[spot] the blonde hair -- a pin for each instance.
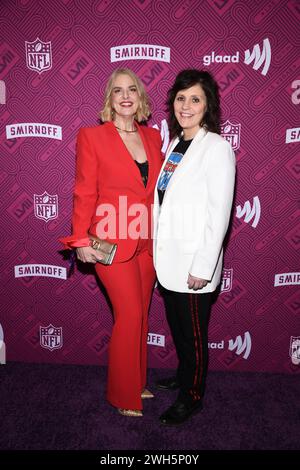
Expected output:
(143, 111)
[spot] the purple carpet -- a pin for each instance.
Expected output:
(63, 407)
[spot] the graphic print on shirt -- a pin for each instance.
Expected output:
(171, 165)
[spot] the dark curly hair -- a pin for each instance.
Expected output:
(186, 79)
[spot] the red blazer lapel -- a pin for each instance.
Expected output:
(148, 149)
(119, 148)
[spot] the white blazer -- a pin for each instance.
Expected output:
(190, 225)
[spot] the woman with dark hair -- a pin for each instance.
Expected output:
(192, 207)
(117, 167)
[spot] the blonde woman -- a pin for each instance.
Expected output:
(117, 166)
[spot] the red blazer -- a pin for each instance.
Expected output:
(105, 170)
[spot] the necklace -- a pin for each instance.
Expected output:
(124, 130)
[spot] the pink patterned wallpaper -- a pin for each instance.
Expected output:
(55, 58)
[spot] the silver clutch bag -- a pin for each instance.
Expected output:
(107, 249)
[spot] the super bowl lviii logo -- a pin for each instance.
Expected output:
(51, 337)
(46, 206)
(38, 55)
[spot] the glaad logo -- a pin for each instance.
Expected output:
(232, 133)
(287, 279)
(240, 346)
(51, 337)
(46, 206)
(210, 59)
(2, 92)
(156, 340)
(258, 57)
(33, 129)
(140, 51)
(38, 55)
(40, 270)
(295, 349)
(2, 347)
(250, 213)
(296, 93)
(214, 345)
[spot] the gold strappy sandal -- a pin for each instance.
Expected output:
(135, 413)
(147, 394)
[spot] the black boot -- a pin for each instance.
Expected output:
(170, 383)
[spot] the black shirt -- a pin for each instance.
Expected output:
(173, 161)
(144, 169)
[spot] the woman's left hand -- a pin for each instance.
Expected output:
(196, 283)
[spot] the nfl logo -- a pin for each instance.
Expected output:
(51, 337)
(226, 283)
(38, 55)
(232, 133)
(46, 206)
(295, 350)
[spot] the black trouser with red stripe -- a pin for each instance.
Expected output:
(188, 317)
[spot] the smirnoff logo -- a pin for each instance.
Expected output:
(33, 129)
(140, 52)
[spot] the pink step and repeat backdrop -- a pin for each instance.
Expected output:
(55, 58)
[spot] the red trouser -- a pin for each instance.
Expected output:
(129, 286)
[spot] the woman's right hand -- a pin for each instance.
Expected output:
(87, 254)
